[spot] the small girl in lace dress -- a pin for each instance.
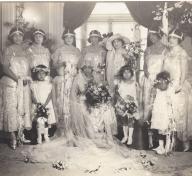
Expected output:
(162, 114)
(42, 95)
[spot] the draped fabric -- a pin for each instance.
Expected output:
(76, 13)
(141, 11)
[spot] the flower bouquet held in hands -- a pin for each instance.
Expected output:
(41, 115)
(126, 107)
(96, 94)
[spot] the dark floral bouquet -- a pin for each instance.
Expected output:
(41, 111)
(96, 94)
(128, 105)
(134, 52)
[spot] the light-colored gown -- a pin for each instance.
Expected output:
(154, 64)
(39, 56)
(114, 62)
(80, 117)
(62, 84)
(94, 56)
(181, 101)
(15, 99)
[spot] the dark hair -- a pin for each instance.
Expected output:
(164, 75)
(94, 32)
(33, 34)
(122, 70)
(123, 43)
(14, 29)
(34, 72)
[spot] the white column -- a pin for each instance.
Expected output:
(8, 16)
(56, 21)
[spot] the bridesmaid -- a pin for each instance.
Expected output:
(176, 63)
(39, 54)
(15, 92)
(116, 57)
(94, 55)
(65, 60)
(153, 63)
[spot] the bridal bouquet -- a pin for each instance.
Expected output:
(134, 52)
(41, 111)
(96, 94)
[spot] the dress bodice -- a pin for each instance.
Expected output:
(154, 63)
(126, 89)
(41, 90)
(93, 56)
(172, 62)
(68, 54)
(16, 58)
(39, 56)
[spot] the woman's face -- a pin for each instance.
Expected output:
(94, 40)
(38, 38)
(127, 75)
(117, 43)
(17, 39)
(173, 41)
(41, 75)
(69, 40)
(88, 72)
(153, 38)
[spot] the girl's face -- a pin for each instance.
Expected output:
(17, 39)
(163, 85)
(173, 41)
(41, 75)
(153, 38)
(69, 40)
(127, 75)
(117, 43)
(38, 38)
(94, 40)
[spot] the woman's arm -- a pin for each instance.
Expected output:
(145, 67)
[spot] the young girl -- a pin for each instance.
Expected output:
(162, 113)
(126, 92)
(42, 93)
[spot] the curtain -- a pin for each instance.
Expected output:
(76, 13)
(141, 11)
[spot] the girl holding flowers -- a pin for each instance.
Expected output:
(126, 102)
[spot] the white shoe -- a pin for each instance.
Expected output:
(160, 150)
(124, 140)
(130, 141)
(186, 147)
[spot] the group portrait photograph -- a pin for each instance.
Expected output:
(96, 88)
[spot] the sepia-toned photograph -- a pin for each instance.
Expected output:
(96, 88)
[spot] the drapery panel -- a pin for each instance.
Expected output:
(76, 13)
(141, 11)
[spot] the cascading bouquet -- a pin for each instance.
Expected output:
(134, 52)
(96, 94)
(127, 106)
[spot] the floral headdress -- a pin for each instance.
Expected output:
(40, 68)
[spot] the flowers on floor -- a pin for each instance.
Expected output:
(60, 165)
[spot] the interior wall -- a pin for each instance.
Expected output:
(45, 15)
